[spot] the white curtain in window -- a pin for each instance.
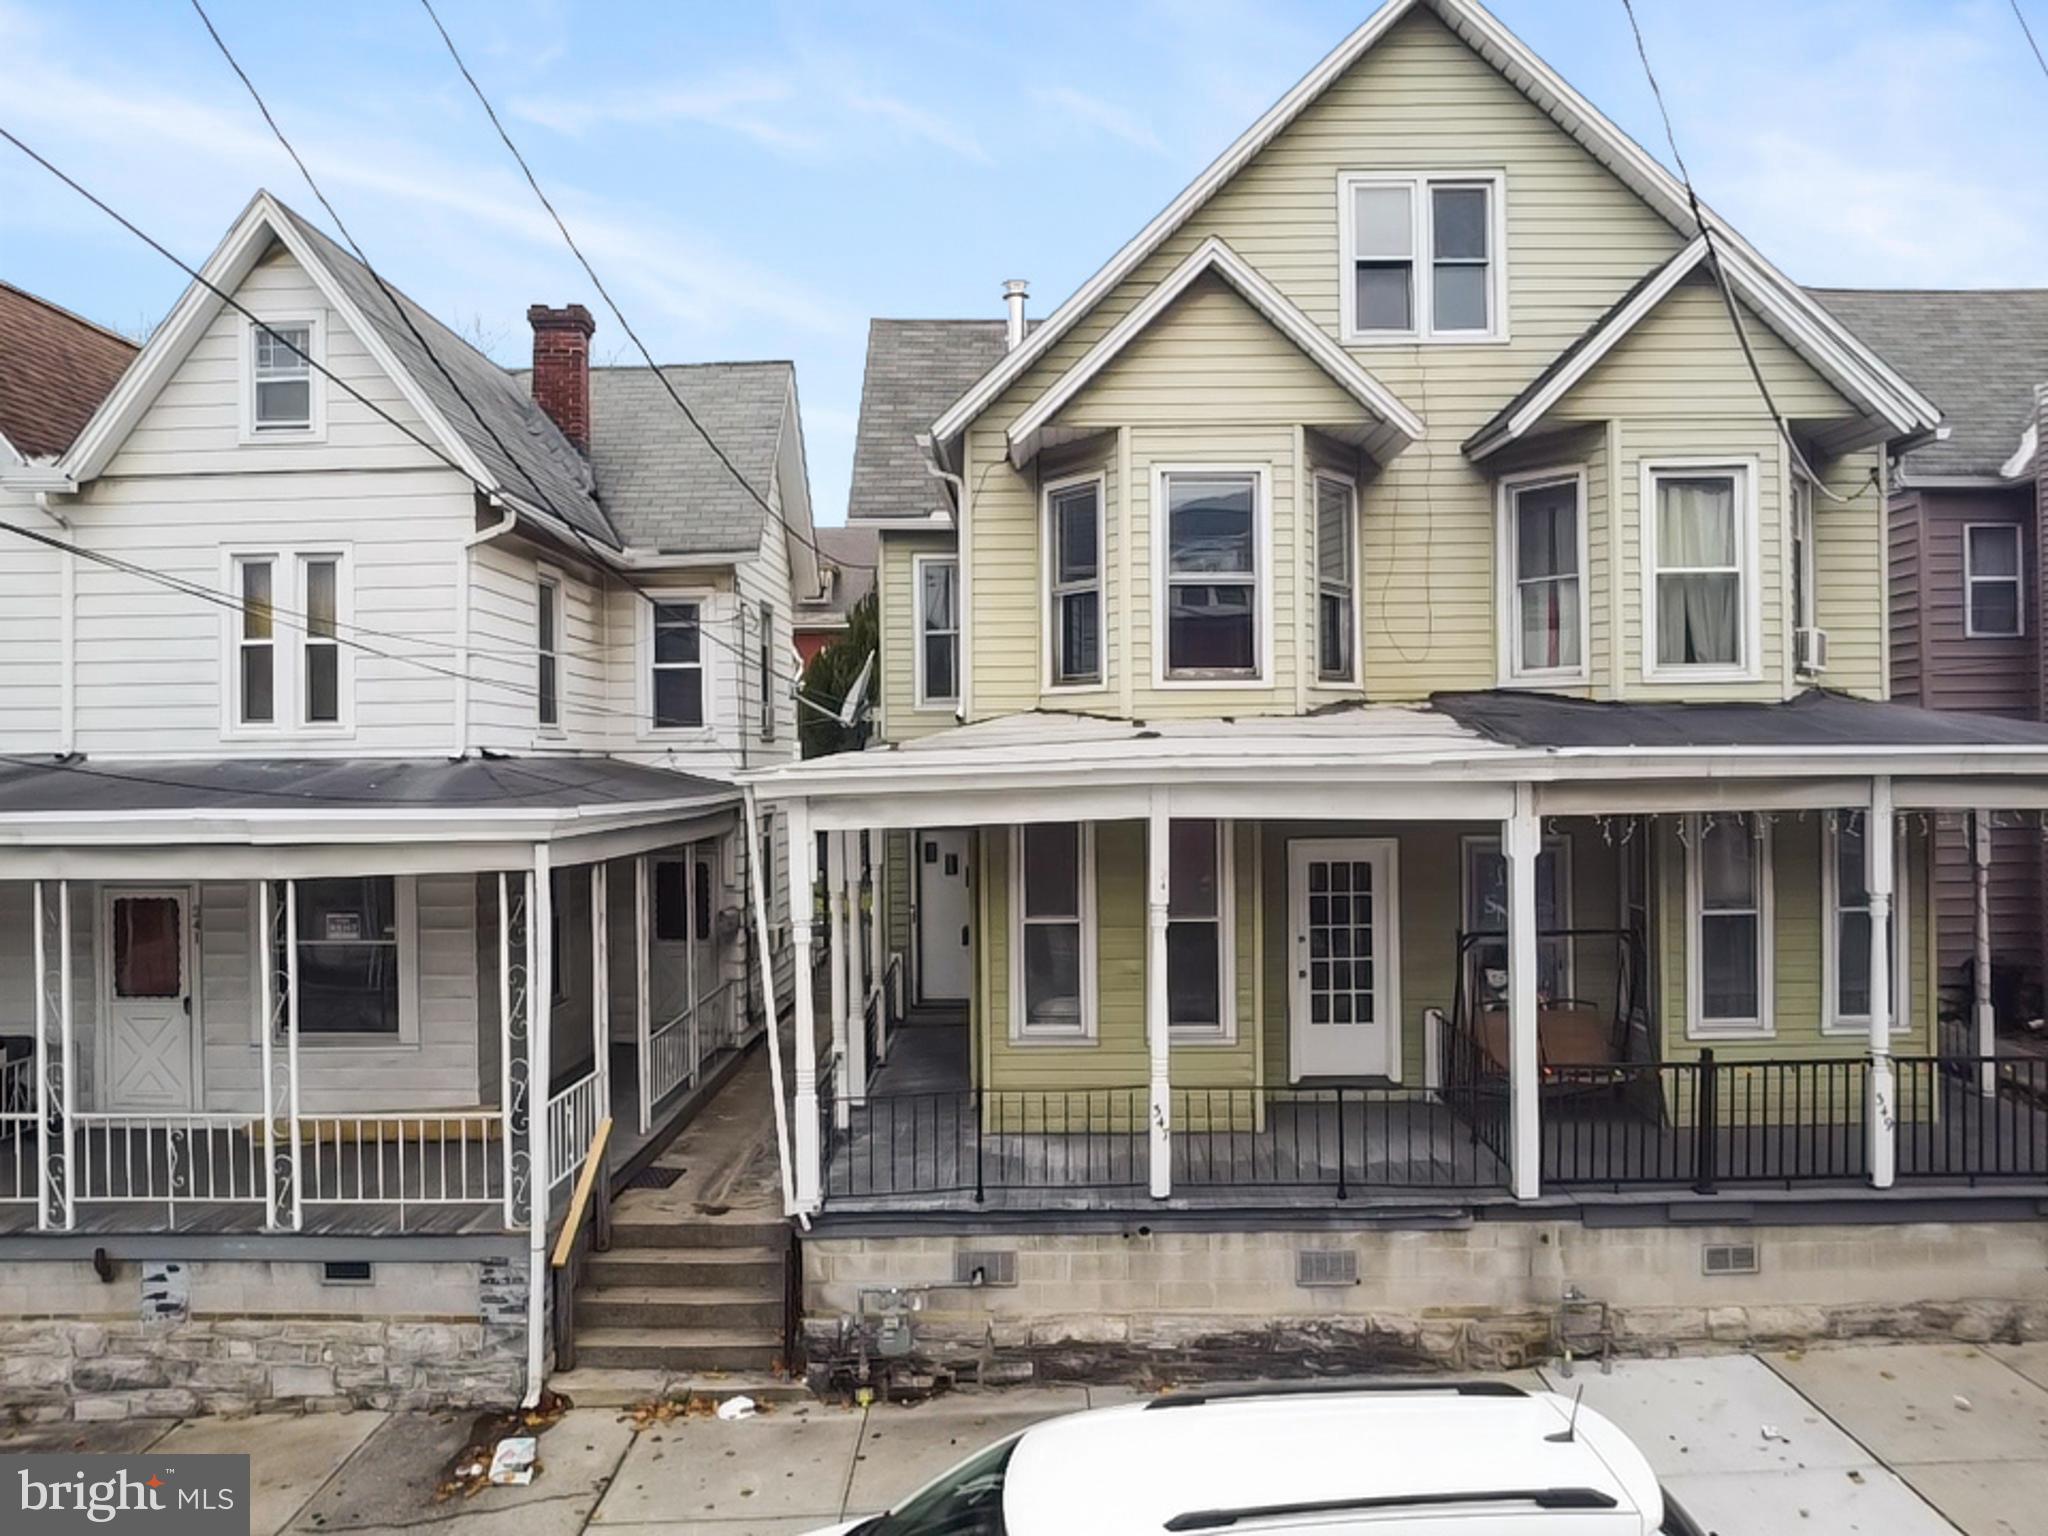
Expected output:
(1699, 582)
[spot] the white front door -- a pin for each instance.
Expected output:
(945, 941)
(1343, 909)
(148, 1032)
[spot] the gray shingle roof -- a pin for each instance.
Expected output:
(662, 487)
(1976, 353)
(915, 370)
(854, 551)
(534, 452)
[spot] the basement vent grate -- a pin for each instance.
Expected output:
(995, 1266)
(346, 1272)
(1325, 1266)
(654, 1176)
(1729, 1258)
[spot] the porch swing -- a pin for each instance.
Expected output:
(1581, 1041)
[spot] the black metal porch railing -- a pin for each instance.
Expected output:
(1971, 1118)
(1343, 1139)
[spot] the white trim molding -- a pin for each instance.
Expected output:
(314, 430)
(1262, 577)
(1354, 547)
(1422, 257)
(2018, 579)
(290, 642)
(923, 702)
(1050, 592)
(1086, 1030)
(1748, 667)
(644, 728)
(1857, 1025)
(1507, 585)
(1697, 1025)
(1224, 1031)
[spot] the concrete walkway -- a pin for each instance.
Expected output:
(1875, 1440)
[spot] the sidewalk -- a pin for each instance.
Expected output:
(1906, 1440)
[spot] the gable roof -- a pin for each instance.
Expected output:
(55, 369)
(1601, 138)
(852, 553)
(1979, 352)
(915, 369)
(657, 480)
(534, 452)
(1395, 425)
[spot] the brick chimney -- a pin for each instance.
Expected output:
(561, 367)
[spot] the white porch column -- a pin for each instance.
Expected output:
(1982, 1015)
(805, 1142)
(601, 984)
(856, 977)
(757, 898)
(56, 1174)
(43, 1192)
(291, 1048)
(506, 1087)
(643, 991)
(540, 985)
(1521, 841)
(1877, 863)
(694, 1029)
(1158, 1031)
(839, 960)
(266, 895)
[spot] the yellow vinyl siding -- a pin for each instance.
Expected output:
(897, 583)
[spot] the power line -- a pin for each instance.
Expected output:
(612, 304)
(2021, 17)
(1720, 275)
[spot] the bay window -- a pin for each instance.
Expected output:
(1336, 579)
(1700, 597)
(1198, 950)
(1422, 257)
(1730, 948)
(676, 665)
(937, 581)
(1074, 552)
(1212, 568)
(1543, 541)
(1991, 581)
(1053, 932)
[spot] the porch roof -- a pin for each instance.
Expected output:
(386, 812)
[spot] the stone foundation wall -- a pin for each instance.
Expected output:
(235, 1336)
(1170, 1306)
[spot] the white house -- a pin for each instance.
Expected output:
(367, 832)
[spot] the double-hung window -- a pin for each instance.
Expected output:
(1730, 901)
(1198, 953)
(1701, 528)
(547, 646)
(1213, 576)
(256, 642)
(938, 630)
(320, 586)
(1074, 541)
(1486, 912)
(676, 665)
(1543, 557)
(767, 672)
(1991, 581)
(1053, 933)
(287, 667)
(1848, 936)
(350, 963)
(1422, 256)
(283, 393)
(1336, 579)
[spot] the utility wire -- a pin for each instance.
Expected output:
(1720, 275)
(2021, 17)
(163, 781)
(612, 304)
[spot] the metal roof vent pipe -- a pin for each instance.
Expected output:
(1014, 293)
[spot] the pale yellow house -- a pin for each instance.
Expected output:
(1373, 706)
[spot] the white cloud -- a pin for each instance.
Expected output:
(918, 123)
(1117, 122)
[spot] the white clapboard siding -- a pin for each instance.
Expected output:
(31, 629)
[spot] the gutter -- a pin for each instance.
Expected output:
(465, 586)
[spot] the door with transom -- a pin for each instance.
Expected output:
(148, 1034)
(1343, 913)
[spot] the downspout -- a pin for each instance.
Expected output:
(67, 633)
(938, 471)
(464, 570)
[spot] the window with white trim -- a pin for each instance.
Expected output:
(1543, 547)
(1422, 256)
(349, 960)
(320, 645)
(1212, 571)
(1700, 529)
(676, 665)
(256, 641)
(1336, 579)
(1992, 584)
(547, 659)
(1074, 544)
(1053, 931)
(287, 667)
(1729, 890)
(1198, 951)
(1847, 878)
(938, 631)
(1803, 606)
(281, 377)
(767, 672)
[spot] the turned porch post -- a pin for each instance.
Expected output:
(601, 984)
(56, 1165)
(643, 992)
(838, 959)
(1983, 1016)
(802, 903)
(1882, 1115)
(1158, 1029)
(1521, 841)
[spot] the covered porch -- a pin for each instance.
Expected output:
(1421, 957)
(349, 998)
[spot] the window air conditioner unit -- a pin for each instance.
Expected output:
(1810, 650)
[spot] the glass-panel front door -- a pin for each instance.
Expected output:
(1345, 1006)
(149, 1008)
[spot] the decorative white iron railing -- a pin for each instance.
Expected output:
(184, 1157)
(427, 1157)
(20, 1146)
(573, 1115)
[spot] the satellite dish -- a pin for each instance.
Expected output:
(857, 694)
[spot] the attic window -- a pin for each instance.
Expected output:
(1423, 257)
(281, 376)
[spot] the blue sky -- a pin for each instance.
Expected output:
(757, 180)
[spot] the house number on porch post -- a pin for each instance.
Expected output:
(1877, 855)
(1158, 1032)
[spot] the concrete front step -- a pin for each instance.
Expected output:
(757, 1269)
(598, 1386)
(647, 1306)
(679, 1349)
(652, 1230)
